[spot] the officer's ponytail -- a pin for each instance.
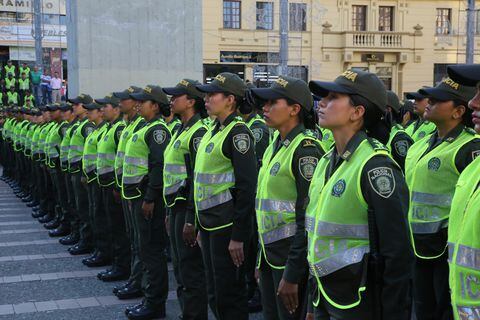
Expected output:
(467, 118)
(373, 122)
(199, 106)
(164, 109)
(308, 118)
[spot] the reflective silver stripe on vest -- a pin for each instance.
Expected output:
(309, 224)
(77, 148)
(429, 227)
(89, 157)
(120, 154)
(90, 168)
(339, 261)
(136, 161)
(75, 159)
(104, 170)
(176, 168)
(352, 231)
(283, 232)
(174, 188)
(451, 248)
(270, 205)
(213, 178)
(132, 180)
(432, 199)
(106, 156)
(214, 201)
(468, 257)
(468, 313)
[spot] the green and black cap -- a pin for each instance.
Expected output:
(449, 90)
(393, 101)
(93, 106)
(416, 95)
(82, 98)
(125, 94)
(362, 83)
(287, 88)
(225, 82)
(185, 86)
(151, 92)
(53, 106)
(465, 74)
(65, 106)
(109, 99)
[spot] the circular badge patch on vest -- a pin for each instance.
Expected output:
(257, 134)
(326, 136)
(434, 164)
(196, 142)
(209, 147)
(339, 188)
(89, 130)
(422, 134)
(105, 138)
(275, 169)
(135, 137)
(177, 144)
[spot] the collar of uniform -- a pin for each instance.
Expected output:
(227, 121)
(452, 134)
(292, 134)
(135, 117)
(155, 118)
(119, 118)
(173, 120)
(250, 117)
(353, 144)
(191, 122)
(101, 124)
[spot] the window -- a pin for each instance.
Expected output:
(385, 74)
(385, 19)
(359, 18)
(477, 23)
(265, 15)
(8, 16)
(443, 22)
(231, 14)
(298, 16)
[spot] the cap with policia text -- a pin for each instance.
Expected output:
(225, 82)
(82, 98)
(362, 83)
(109, 99)
(151, 92)
(125, 94)
(93, 106)
(185, 86)
(287, 88)
(449, 90)
(393, 101)
(465, 74)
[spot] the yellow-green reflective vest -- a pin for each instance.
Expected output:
(23, 135)
(24, 70)
(336, 220)
(12, 97)
(122, 144)
(175, 169)
(77, 142)
(213, 175)
(89, 163)
(53, 145)
(65, 145)
(174, 123)
(8, 70)
(43, 139)
(17, 135)
(393, 132)
(28, 141)
(10, 83)
(23, 84)
(135, 166)
(423, 130)
(276, 197)
(35, 140)
(106, 154)
(464, 244)
(431, 179)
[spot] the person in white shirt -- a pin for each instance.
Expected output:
(46, 88)
(56, 85)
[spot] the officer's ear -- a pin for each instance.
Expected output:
(296, 108)
(459, 111)
(357, 113)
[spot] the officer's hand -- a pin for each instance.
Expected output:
(83, 180)
(257, 275)
(309, 316)
(189, 235)
(147, 210)
(116, 196)
(199, 240)
(288, 292)
(236, 252)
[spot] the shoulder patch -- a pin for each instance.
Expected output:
(382, 181)
(241, 142)
(306, 166)
(401, 147)
(422, 134)
(159, 136)
(475, 154)
(196, 142)
(308, 143)
(89, 130)
(377, 145)
(275, 168)
(257, 134)
(119, 134)
(64, 130)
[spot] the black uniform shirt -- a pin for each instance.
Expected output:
(261, 134)
(400, 144)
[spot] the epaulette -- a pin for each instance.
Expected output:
(377, 145)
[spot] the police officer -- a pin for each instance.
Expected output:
(142, 185)
(289, 162)
(432, 168)
(463, 240)
(420, 127)
(75, 154)
(98, 220)
(358, 246)
(134, 122)
(115, 222)
(186, 102)
(225, 176)
(173, 123)
(399, 141)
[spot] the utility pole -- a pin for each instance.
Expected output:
(37, 31)
(470, 31)
(283, 68)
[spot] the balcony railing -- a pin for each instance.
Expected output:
(375, 39)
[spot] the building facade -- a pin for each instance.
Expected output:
(408, 43)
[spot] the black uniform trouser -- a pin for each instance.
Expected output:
(136, 278)
(72, 215)
(251, 260)
(431, 289)
(98, 219)
(152, 245)
(81, 204)
(188, 267)
(49, 193)
(273, 307)
(60, 194)
(116, 231)
(227, 292)
(41, 191)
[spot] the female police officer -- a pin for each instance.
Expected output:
(358, 246)
(432, 168)
(225, 177)
(283, 182)
(463, 236)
